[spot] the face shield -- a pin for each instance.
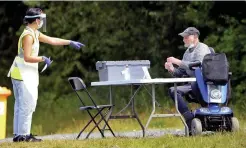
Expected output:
(42, 20)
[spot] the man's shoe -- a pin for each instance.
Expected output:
(188, 119)
(189, 126)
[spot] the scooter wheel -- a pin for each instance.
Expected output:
(234, 124)
(196, 127)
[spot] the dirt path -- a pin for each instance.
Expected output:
(136, 134)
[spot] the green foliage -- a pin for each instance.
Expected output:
(122, 30)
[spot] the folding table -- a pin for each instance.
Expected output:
(141, 83)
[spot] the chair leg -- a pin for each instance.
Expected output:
(106, 122)
(99, 112)
(83, 129)
(95, 126)
(92, 119)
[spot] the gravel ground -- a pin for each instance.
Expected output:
(134, 134)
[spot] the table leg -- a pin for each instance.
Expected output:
(176, 106)
(135, 113)
(110, 100)
(153, 106)
(150, 94)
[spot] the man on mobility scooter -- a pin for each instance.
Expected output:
(210, 116)
(195, 52)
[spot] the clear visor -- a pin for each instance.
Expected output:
(42, 18)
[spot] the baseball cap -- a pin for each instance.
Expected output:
(189, 31)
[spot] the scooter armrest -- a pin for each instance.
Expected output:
(194, 64)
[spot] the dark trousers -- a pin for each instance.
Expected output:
(181, 91)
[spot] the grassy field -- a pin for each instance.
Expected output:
(218, 140)
(63, 117)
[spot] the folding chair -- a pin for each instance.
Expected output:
(77, 85)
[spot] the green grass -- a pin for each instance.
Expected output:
(218, 140)
(124, 124)
(62, 116)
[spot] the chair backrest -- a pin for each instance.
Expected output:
(76, 83)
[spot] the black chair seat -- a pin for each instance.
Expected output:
(94, 107)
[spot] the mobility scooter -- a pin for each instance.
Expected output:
(213, 81)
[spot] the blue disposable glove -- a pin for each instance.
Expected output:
(76, 45)
(47, 61)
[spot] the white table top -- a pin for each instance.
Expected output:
(144, 81)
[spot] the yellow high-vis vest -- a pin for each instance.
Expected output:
(15, 70)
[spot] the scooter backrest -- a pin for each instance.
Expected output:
(215, 69)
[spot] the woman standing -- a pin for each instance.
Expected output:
(24, 72)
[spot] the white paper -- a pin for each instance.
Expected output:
(45, 67)
(146, 73)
